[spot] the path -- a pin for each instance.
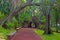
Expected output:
(26, 34)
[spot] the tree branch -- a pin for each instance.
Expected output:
(18, 9)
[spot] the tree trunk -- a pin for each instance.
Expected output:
(36, 25)
(29, 26)
(47, 29)
(56, 26)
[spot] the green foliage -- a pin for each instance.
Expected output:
(1, 15)
(43, 19)
(5, 32)
(5, 6)
(12, 24)
(15, 21)
(42, 27)
(24, 16)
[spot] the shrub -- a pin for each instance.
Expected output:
(12, 24)
(1, 15)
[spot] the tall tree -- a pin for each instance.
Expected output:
(47, 11)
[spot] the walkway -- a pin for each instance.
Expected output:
(26, 34)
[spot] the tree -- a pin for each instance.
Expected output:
(56, 14)
(47, 12)
(18, 9)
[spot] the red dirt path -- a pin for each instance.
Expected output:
(26, 34)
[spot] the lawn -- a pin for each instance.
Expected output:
(54, 36)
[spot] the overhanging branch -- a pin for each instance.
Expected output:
(18, 9)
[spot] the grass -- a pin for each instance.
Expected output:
(5, 32)
(54, 36)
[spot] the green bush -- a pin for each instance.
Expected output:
(1, 15)
(23, 17)
(42, 27)
(13, 23)
(10, 24)
(43, 19)
(5, 32)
